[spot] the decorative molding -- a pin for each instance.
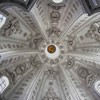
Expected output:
(50, 95)
(53, 32)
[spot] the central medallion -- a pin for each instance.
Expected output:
(51, 48)
(52, 52)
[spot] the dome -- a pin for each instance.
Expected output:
(49, 50)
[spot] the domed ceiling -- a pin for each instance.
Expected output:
(50, 50)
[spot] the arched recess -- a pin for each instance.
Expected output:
(4, 83)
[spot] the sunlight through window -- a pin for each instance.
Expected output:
(4, 83)
(2, 20)
(97, 86)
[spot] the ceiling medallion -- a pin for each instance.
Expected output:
(52, 52)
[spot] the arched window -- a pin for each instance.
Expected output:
(97, 86)
(4, 83)
(2, 20)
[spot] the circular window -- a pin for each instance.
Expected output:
(52, 51)
(51, 48)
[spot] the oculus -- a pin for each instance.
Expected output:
(51, 48)
(52, 52)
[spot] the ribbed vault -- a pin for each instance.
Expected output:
(50, 51)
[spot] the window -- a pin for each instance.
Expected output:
(57, 1)
(97, 86)
(4, 83)
(2, 20)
